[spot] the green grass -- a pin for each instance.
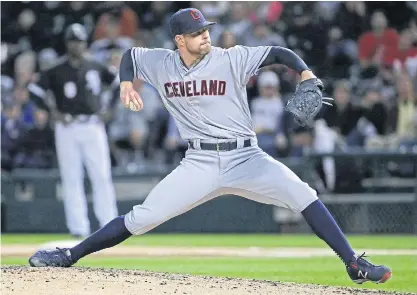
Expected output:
(233, 240)
(326, 271)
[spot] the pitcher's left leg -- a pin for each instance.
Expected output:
(266, 180)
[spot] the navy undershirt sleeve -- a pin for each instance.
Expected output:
(126, 67)
(286, 57)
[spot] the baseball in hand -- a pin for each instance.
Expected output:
(133, 107)
(131, 99)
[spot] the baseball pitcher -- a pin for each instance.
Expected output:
(204, 89)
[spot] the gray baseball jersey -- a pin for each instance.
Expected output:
(208, 100)
(209, 104)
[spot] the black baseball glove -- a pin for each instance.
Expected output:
(307, 101)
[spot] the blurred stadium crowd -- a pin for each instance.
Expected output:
(365, 52)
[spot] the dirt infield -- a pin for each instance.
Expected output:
(88, 281)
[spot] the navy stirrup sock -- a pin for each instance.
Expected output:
(110, 235)
(326, 228)
(316, 215)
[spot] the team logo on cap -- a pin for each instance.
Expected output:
(195, 14)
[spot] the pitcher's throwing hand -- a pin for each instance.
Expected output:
(130, 97)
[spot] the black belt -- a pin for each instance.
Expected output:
(221, 146)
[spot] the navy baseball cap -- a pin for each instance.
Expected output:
(187, 21)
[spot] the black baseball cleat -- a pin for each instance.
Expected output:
(360, 271)
(54, 258)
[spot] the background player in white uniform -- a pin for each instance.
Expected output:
(80, 135)
(204, 89)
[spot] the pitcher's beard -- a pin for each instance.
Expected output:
(205, 49)
(201, 51)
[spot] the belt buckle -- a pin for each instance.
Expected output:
(67, 118)
(218, 147)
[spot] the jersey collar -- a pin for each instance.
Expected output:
(183, 69)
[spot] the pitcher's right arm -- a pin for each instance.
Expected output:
(139, 63)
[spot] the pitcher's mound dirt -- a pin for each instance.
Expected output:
(24, 280)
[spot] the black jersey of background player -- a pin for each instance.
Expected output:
(76, 89)
(76, 81)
